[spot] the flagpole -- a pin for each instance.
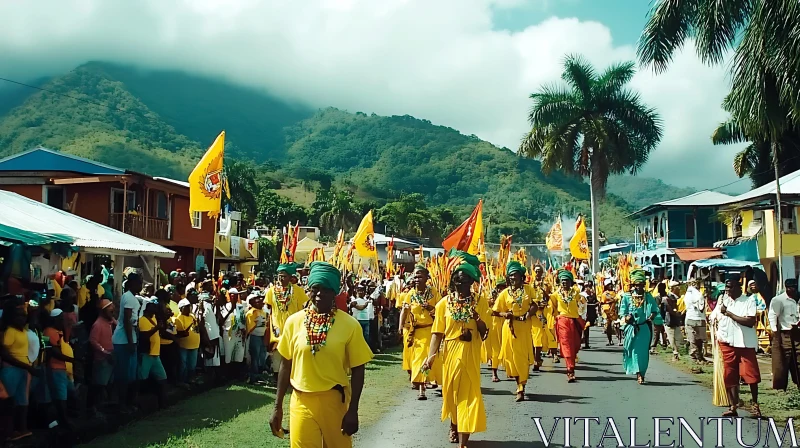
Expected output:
(214, 250)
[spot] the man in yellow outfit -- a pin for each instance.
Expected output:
(517, 305)
(319, 345)
(283, 300)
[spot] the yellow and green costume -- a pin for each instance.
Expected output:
(418, 338)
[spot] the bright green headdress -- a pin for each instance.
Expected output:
(638, 276)
(515, 266)
(420, 267)
(325, 275)
(288, 268)
(469, 265)
(564, 274)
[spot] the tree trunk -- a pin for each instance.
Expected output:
(595, 224)
(778, 214)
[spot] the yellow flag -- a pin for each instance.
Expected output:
(578, 245)
(476, 245)
(364, 241)
(206, 181)
(554, 238)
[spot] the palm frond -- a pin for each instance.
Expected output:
(669, 25)
(579, 74)
(716, 24)
(627, 108)
(745, 161)
(614, 78)
(553, 105)
(728, 133)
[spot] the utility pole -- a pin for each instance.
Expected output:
(778, 213)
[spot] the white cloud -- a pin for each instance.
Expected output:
(441, 60)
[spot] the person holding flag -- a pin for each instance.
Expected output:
(283, 300)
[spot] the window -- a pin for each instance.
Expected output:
(55, 197)
(197, 220)
(689, 227)
(118, 199)
(161, 205)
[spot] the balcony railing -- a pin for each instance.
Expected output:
(140, 226)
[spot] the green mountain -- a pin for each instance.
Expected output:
(160, 122)
(640, 192)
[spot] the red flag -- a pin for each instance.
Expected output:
(462, 237)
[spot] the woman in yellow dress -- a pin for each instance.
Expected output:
(418, 308)
(517, 305)
(543, 338)
(492, 344)
(460, 324)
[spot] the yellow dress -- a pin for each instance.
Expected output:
(490, 352)
(421, 325)
(517, 344)
(552, 306)
(406, 327)
(462, 401)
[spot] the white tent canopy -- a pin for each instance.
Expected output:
(21, 212)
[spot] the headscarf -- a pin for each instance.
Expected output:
(469, 265)
(564, 274)
(288, 268)
(638, 276)
(172, 275)
(325, 275)
(515, 266)
(420, 267)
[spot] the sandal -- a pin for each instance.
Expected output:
(756, 411)
(495, 379)
(453, 434)
(639, 378)
(571, 377)
(520, 396)
(731, 412)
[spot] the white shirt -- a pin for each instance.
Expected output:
(127, 302)
(782, 311)
(695, 304)
(730, 331)
(367, 313)
(210, 319)
(34, 346)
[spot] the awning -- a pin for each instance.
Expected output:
(754, 234)
(694, 254)
(10, 235)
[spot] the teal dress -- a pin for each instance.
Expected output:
(638, 334)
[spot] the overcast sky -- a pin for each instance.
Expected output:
(468, 64)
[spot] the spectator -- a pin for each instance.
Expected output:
(695, 322)
(256, 333)
(361, 307)
(16, 373)
(673, 318)
(170, 358)
(150, 365)
(102, 350)
(233, 333)
(67, 305)
(188, 335)
(59, 355)
(210, 332)
(124, 339)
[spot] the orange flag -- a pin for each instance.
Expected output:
(468, 235)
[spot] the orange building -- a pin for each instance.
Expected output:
(155, 209)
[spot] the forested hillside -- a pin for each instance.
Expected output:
(160, 122)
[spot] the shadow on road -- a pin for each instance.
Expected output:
(555, 398)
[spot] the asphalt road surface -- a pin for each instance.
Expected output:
(603, 391)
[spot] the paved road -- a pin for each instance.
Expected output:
(602, 391)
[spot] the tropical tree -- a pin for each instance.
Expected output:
(242, 182)
(276, 211)
(592, 127)
(337, 209)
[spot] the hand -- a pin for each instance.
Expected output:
(475, 315)
(428, 363)
(724, 310)
(350, 422)
(276, 422)
(628, 318)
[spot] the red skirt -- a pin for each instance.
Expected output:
(569, 333)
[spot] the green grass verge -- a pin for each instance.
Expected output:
(777, 404)
(238, 415)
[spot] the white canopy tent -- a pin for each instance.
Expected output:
(93, 238)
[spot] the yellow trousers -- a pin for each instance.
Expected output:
(315, 420)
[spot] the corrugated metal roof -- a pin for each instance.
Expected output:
(703, 198)
(790, 184)
(43, 159)
(173, 181)
(27, 214)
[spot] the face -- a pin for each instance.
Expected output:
(463, 283)
(589, 286)
(234, 298)
(539, 272)
(566, 283)
(420, 279)
(361, 291)
(322, 298)
(638, 288)
(754, 288)
(149, 289)
(186, 310)
(257, 303)
(283, 279)
(734, 288)
(108, 312)
(515, 279)
(134, 286)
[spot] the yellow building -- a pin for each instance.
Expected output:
(236, 248)
(753, 227)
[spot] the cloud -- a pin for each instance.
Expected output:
(440, 60)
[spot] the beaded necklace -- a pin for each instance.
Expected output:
(284, 296)
(420, 299)
(566, 296)
(638, 300)
(517, 295)
(317, 327)
(461, 308)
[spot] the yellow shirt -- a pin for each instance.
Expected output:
(450, 328)
(422, 317)
(280, 313)
(183, 323)
(252, 320)
(155, 339)
(83, 294)
(567, 309)
(507, 301)
(66, 350)
(344, 349)
(16, 342)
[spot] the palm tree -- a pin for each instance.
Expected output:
(340, 210)
(593, 127)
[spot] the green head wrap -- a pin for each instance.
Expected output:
(501, 282)
(515, 266)
(638, 276)
(173, 274)
(564, 274)
(289, 268)
(325, 275)
(420, 267)
(470, 264)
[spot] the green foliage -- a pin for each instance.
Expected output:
(276, 211)
(639, 192)
(268, 255)
(336, 209)
(410, 215)
(242, 181)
